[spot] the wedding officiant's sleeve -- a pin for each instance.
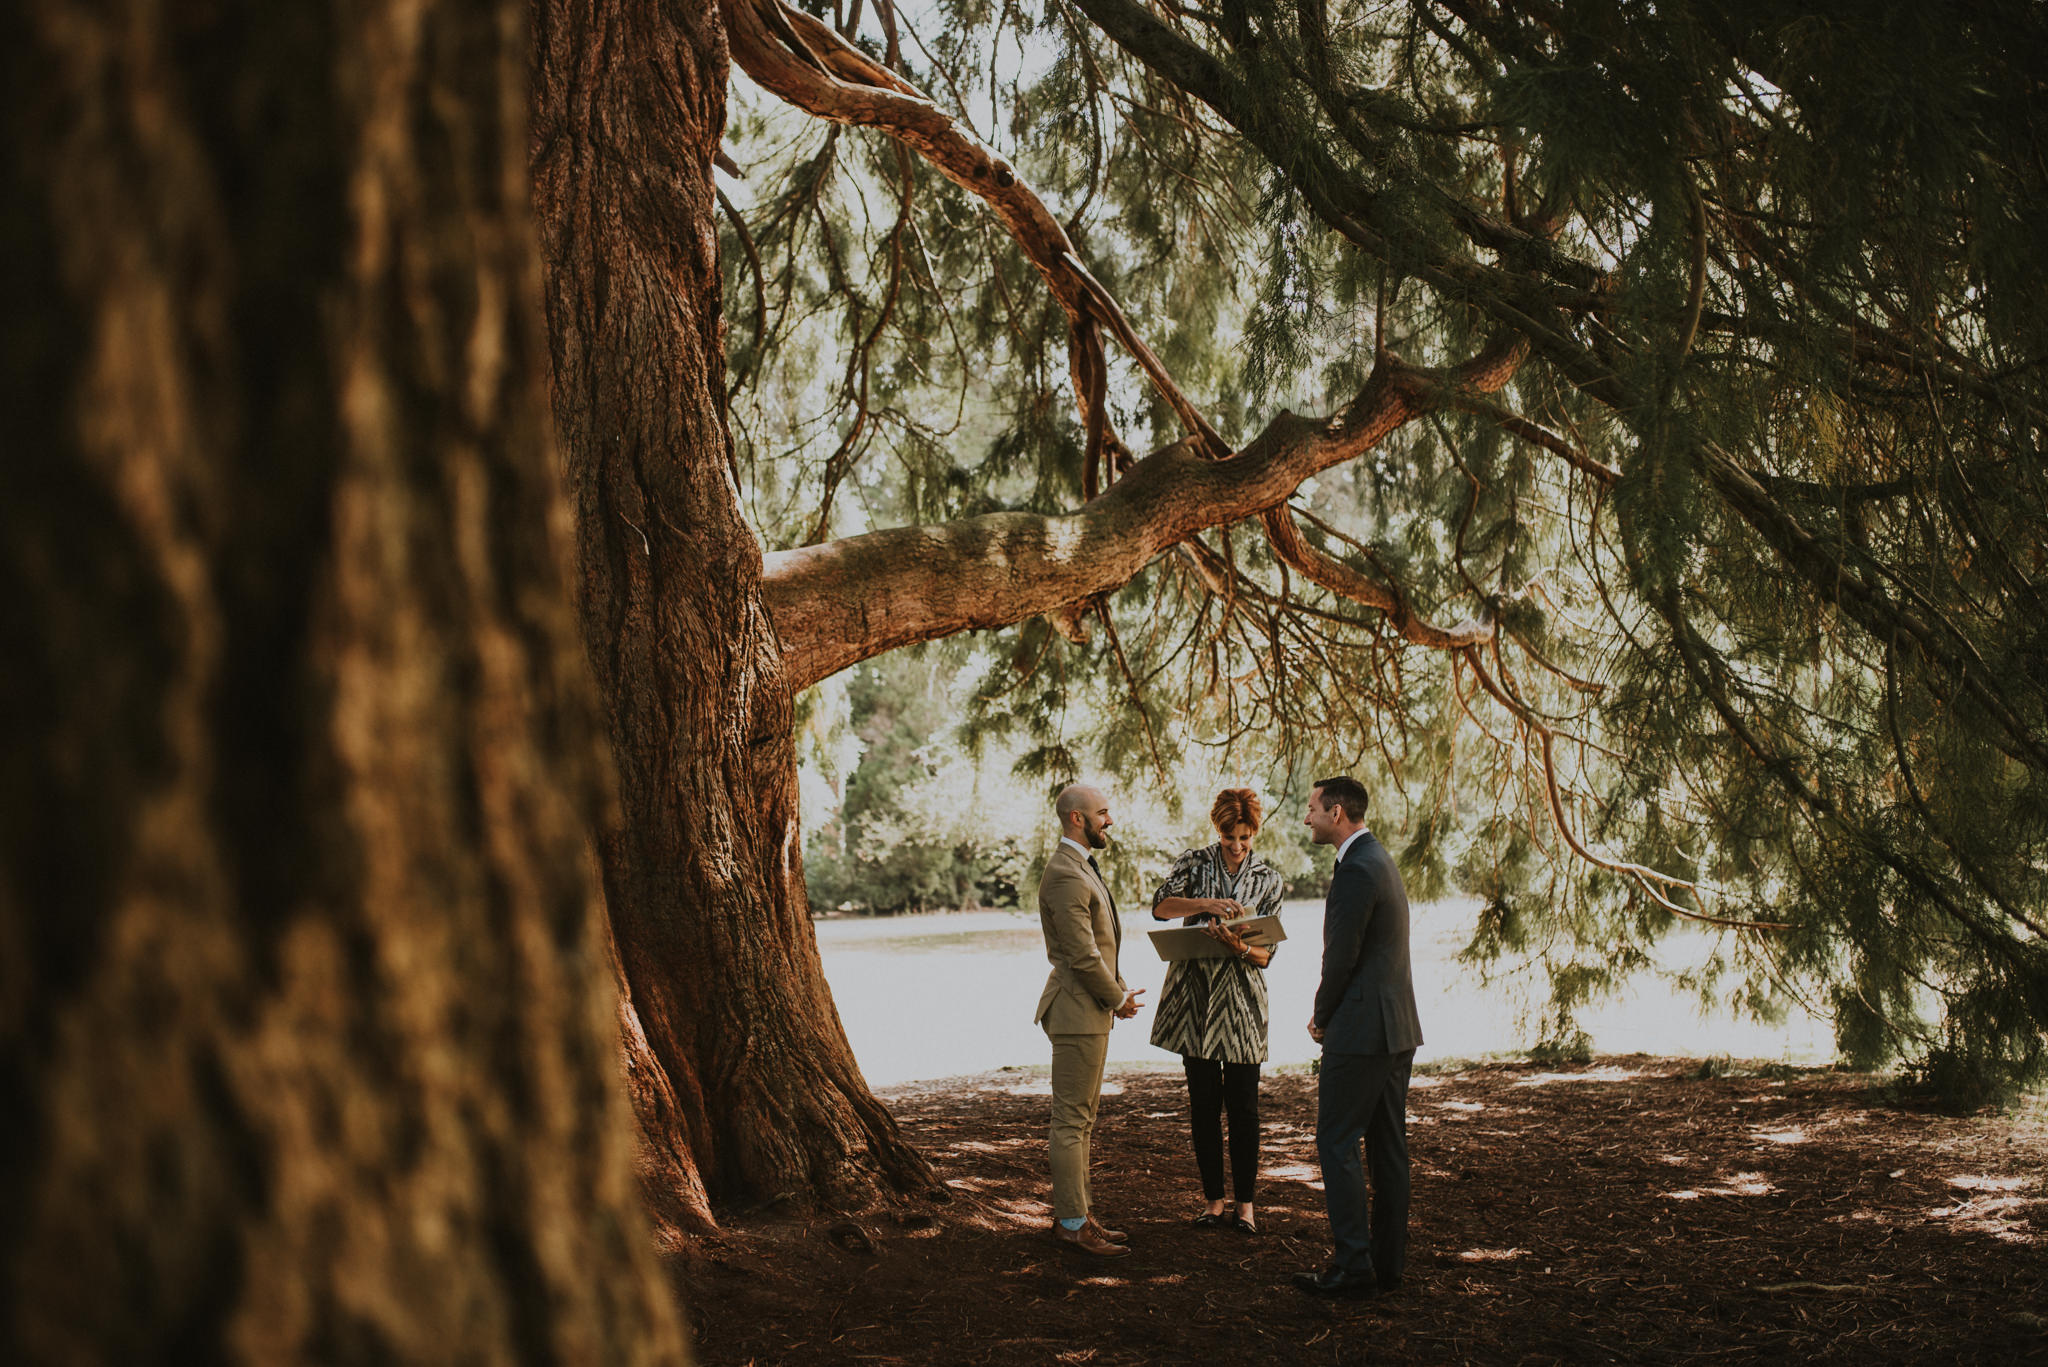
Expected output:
(1179, 879)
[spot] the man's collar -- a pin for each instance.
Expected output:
(1069, 840)
(1349, 841)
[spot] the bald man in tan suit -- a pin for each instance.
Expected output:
(1083, 997)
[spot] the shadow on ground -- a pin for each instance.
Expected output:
(1628, 1211)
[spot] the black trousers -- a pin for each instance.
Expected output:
(1365, 1097)
(1215, 1087)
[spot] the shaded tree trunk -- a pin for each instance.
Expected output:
(745, 1086)
(306, 1038)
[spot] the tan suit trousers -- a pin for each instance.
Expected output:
(1076, 1088)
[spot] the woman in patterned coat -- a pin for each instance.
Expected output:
(1212, 1012)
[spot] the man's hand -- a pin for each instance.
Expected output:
(1131, 1004)
(1315, 1032)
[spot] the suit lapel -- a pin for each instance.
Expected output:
(1116, 922)
(1088, 872)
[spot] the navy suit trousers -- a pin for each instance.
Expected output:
(1365, 1097)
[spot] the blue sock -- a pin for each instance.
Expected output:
(1071, 1225)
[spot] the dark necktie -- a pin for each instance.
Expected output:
(1105, 883)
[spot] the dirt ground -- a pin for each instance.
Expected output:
(1631, 1210)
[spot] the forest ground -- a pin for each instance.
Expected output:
(1636, 1210)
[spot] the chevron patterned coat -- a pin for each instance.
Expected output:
(1216, 1008)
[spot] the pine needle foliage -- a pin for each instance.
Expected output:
(1760, 525)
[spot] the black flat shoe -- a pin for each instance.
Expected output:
(1330, 1284)
(1208, 1220)
(1242, 1225)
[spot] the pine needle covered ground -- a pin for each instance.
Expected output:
(1634, 1210)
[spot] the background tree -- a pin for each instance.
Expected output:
(1674, 494)
(919, 825)
(307, 1049)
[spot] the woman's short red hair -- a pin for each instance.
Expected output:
(1235, 807)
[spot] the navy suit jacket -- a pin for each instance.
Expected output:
(1365, 1003)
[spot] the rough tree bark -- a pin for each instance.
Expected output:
(746, 1089)
(307, 1047)
(745, 1085)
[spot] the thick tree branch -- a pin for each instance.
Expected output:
(848, 600)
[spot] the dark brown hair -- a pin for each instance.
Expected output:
(1346, 792)
(1235, 807)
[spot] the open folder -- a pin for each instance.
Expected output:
(1190, 942)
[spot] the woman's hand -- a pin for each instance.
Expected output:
(1216, 908)
(1258, 956)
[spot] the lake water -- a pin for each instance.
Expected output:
(952, 993)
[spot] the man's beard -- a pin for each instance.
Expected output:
(1097, 838)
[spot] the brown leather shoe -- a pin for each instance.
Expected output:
(1087, 1239)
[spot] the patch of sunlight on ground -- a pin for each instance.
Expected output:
(1741, 1184)
(1293, 1172)
(1030, 1214)
(1016, 1210)
(1043, 1087)
(1590, 1075)
(1467, 1106)
(2005, 1218)
(1795, 1135)
(991, 1146)
(1674, 1160)
(1492, 1255)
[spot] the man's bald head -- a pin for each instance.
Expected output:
(1084, 815)
(1075, 797)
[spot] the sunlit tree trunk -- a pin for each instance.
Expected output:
(746, 1088)
(307, 1042)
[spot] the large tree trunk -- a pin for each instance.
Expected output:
(746, 1088)
(307, 1047)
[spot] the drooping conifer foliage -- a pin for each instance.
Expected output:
(1667, 529)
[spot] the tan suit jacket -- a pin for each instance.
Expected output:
(1082, 938)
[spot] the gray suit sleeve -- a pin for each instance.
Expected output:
(1344, 927)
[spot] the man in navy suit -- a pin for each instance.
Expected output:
(1365, 1020)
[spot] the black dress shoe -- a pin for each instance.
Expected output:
(1209, 1219)
(1330, 1284)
